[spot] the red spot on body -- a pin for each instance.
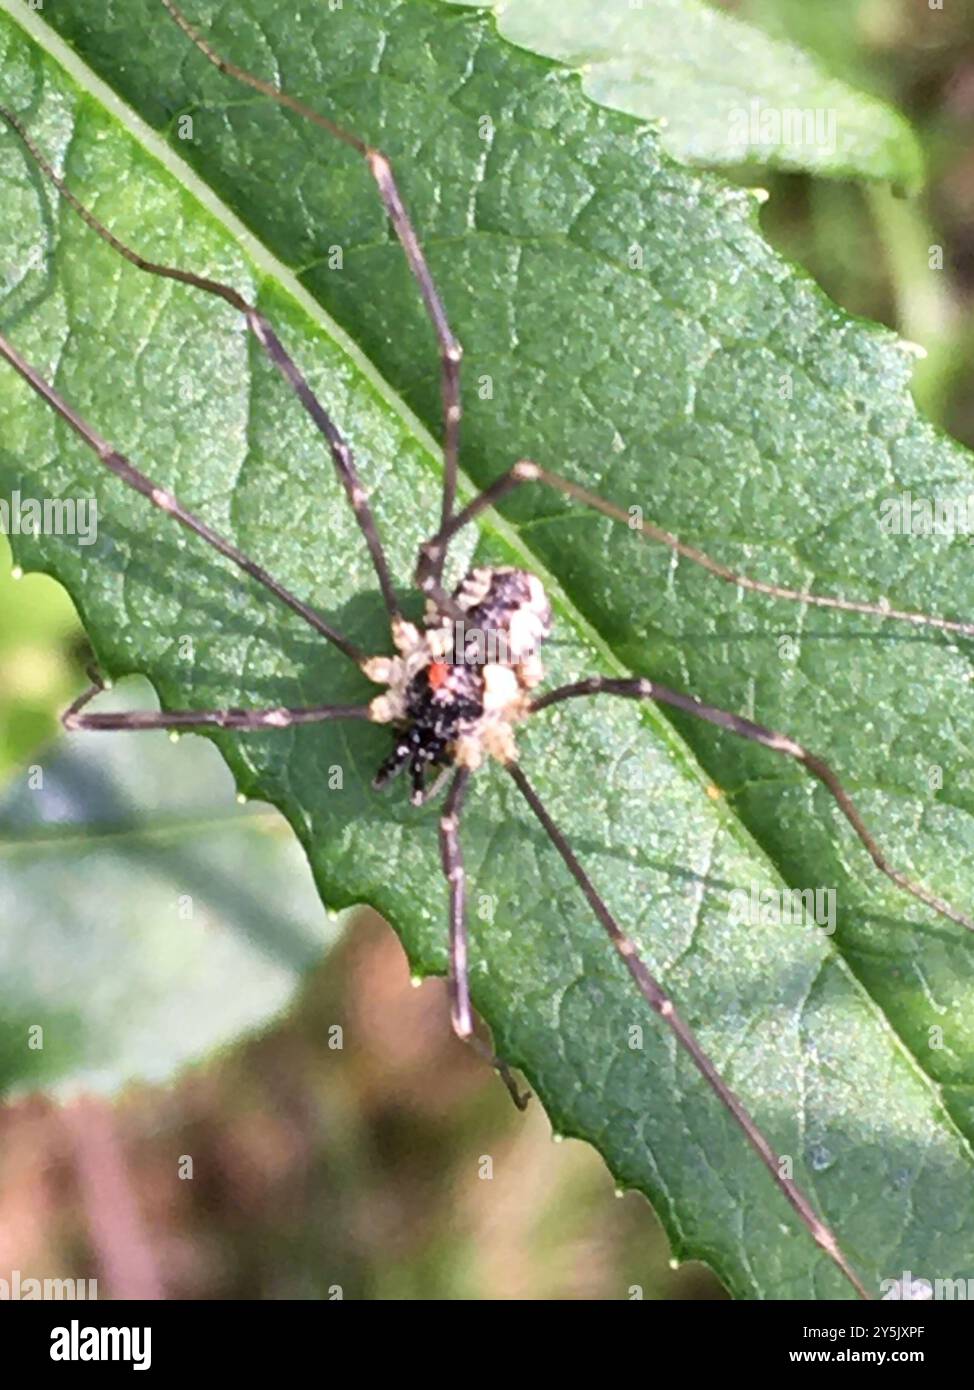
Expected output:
(437, 673)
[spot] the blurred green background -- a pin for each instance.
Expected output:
(359, 1168)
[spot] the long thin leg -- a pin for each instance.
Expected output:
(272, 347)
(461, 1014)
(642, 689)
(451, 353)
(661, 1003)
(433, 552)
(119, 465)
(280, 717)
(451, 857)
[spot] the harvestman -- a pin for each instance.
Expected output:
(453, 702)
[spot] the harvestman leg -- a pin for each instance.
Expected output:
(432, 553)
(279, 717)
(452, 859)
(119, 465)
(451, 856)
(642, 689)
(661, 1003)
(247, 720)
(272, 347)
(451, 352)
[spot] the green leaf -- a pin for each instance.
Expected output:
(725, 92)
(37, 677)
(715, 388)
(149, 919)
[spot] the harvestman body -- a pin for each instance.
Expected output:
(456, 689)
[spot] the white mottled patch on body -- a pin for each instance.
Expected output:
(501, 688)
